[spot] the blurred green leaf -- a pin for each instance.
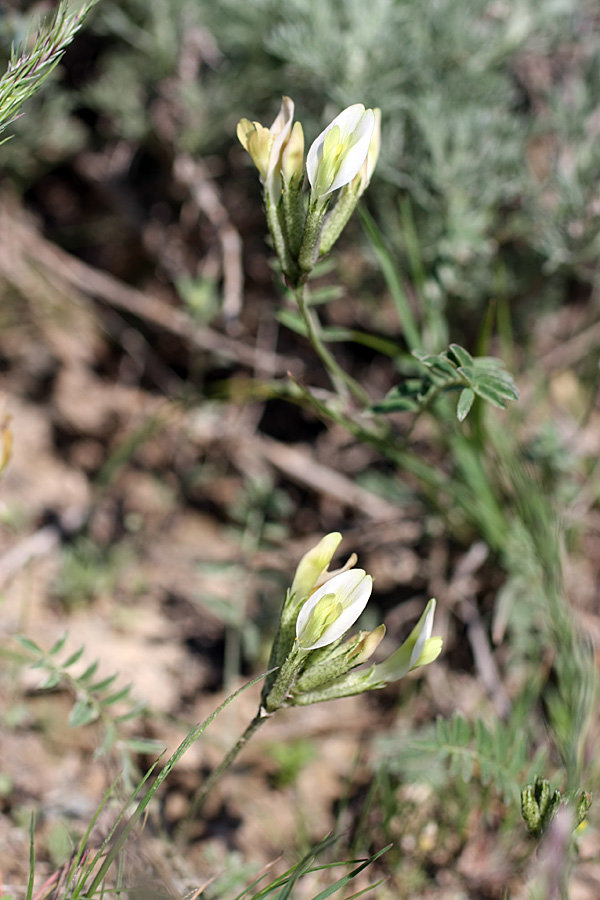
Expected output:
(83, 713)
(465, 402)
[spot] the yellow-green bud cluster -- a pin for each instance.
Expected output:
(539, 804)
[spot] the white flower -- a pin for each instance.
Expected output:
(418, 650)
(338, 153)
(332, 609)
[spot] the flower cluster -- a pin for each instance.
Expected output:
(312, 657)
(342, 158)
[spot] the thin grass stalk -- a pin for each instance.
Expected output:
(185, 745)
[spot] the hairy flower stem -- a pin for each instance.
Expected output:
(341, 380)
(201, 795)
(289, 266)
(287, 675)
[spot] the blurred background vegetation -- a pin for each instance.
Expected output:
(490, 154)
(165, 403)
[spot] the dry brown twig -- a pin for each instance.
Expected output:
(300, 467)
(40, 543)
(20, 243)
(462, 591)
(193, 174)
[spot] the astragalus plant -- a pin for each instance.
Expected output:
(313, 659)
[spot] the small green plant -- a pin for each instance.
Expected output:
(539, 805)
(497, 755)
(457, 204)
(454, 370)
(312, 660)
(87, 571)
(94, 701)
(477, 478)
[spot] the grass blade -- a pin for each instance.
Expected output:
(185, 745)
(393, 281)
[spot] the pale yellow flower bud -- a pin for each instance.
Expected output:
(368, 643)
(313, 565)
(292, 158)
(257, 140)
(266, 145)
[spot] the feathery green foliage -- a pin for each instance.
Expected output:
(29, 68)
(92, 700)
(498, 755)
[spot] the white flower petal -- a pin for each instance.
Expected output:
(349, 589)
(347, 121)
(280, 129)
(356, 128)
(407, 656)
(425, 634)
(357, 153)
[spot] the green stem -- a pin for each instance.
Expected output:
(289, 266)
(430, 397)
(432, 482)
(201, 795)
(341, 380)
